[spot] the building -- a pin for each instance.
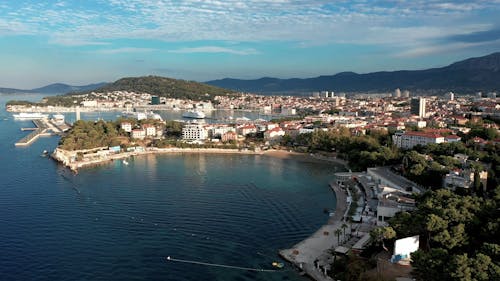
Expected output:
(417, 107)
(155, 100)
(463, 179)
(247, 129)
(150, 130)
(274, 134)
(397, 93)
(407, 140)
(194, 131)
(391, 203)
(452, 138)
(229, 136)
(449, 96)
(384, 176)
(138, 134)
(126, 126)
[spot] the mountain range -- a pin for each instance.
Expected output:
(467, 76)
(57, 88)
(470, 75)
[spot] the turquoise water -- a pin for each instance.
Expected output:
(120, 222)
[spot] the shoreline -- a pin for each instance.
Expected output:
(281, 154)
(305, 254)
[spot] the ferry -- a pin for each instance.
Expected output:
(30, 116)
(194, 114)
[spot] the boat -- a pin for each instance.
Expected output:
(125, 162)
(45, 153)
(278, 264)
(30, 116)
(155, 116)
(196, 114)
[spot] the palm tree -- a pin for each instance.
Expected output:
(344, 226)
(338, 232)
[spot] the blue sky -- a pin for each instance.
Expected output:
(86, 41)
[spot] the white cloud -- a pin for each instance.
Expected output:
(215, 49)
(124, 50)
(310, 21)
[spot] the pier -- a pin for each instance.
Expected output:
(43, 127)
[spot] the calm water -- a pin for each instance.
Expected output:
(118, 222)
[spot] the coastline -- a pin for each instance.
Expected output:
(305, 254)
(59, 155)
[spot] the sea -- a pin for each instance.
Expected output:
(121, 222)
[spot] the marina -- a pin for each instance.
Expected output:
(43, 127)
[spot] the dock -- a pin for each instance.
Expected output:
(43, 127)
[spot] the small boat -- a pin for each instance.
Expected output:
(125, 162)
(278, 264)
(45, 153)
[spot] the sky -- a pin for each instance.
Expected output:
(86, 41)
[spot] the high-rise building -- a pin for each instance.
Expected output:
(397, 93)
(406, 94)
(449, 96)
(417, 106)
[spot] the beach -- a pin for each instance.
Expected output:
(304, 254)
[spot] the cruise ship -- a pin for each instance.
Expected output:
(194, 114)
(30, 116)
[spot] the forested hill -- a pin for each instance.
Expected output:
(166, 87)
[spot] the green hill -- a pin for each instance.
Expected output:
(154, 85)
(166, 87)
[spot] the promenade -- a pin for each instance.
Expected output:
(305, 253)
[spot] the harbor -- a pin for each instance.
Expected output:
(43, 127)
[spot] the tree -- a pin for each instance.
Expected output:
(344, 226)
(338, 232)
(379, 234)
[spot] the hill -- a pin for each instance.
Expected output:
(57, 88)
(166, 87)
(470, 75)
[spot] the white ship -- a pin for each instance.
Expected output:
(30, 116)
(194, 114)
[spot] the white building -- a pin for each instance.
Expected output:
(194, 131)
(126, 126)
(417, 106)
(150, 130)
(89, 103)
(274, 134)
(408, 140)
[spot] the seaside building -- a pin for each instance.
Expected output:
(138, 134)
(390, 202)
(194, 131)
(274, 134)
(247, 129)
(126, 126)
(229, 136)
(150, 130)
(384, 176)
(417, 107)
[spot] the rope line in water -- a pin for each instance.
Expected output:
(169, 258)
